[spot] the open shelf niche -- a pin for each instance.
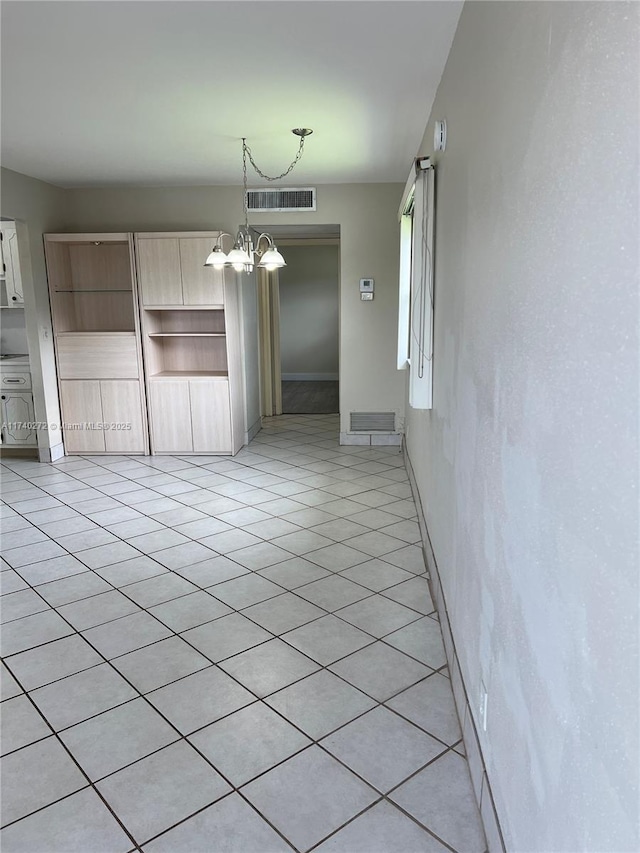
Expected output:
(187, 344)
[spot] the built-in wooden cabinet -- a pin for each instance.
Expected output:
(94, 308)
(172, 272)
(190, 334)
(166, 363)
(192, 416)
(106, 416)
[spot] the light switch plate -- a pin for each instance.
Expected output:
(366, 297)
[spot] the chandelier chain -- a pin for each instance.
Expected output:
(247, 151)
(244, 184)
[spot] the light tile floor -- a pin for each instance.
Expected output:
(214, 654)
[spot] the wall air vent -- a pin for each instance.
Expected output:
(373, 422)
(282, 201)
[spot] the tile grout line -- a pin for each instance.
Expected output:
(185, 737)
(284, 591)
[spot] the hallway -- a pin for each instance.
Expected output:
(226, 655)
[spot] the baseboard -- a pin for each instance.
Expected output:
(477, 766)
(373, 439)
(51, 454)
(310, 377)
(252, 432)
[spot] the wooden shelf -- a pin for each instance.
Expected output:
(216, 307)
(187, 334)
(92, 290)
(190, 374)
(124, 332)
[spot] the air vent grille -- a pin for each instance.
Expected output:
(281, 201)
(373, 422)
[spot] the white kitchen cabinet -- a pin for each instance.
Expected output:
(11, 265)
(18, 427)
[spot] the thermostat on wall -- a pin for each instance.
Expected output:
(366, 289)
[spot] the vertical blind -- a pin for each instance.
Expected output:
(416, 295)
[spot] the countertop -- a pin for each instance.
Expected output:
(18, 361)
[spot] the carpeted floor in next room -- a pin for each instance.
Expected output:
(310, 398)
(216, 654)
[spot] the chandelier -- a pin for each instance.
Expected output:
(242, 257)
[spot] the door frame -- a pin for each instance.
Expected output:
(269, 312)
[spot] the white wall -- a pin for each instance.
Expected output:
(38, 208)
(527, 465)
(309, 303)
(369, 245)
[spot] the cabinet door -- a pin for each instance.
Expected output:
(122, 405)
(210, 414)
(159, 270)
(81, 407)
(170, 416)
(92, 355)
(13, 278)
(17, 419)
(200, 285)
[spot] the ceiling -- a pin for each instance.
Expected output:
(99, 93)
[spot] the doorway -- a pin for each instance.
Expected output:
(299, 326)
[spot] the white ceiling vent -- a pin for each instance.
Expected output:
(373, 422)
(282, 201)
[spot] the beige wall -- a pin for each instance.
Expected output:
(38, 208)
(367, 216)
(309, 312)
(527, 464)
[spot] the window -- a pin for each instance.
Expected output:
(415, 317)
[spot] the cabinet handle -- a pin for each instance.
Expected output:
(14, 298)
(14, 381)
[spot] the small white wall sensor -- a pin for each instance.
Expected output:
(440, 135)
(366, 289)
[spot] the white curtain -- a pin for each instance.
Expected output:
(269, 323)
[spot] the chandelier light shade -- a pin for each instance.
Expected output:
(272, 259)
(243, 256)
